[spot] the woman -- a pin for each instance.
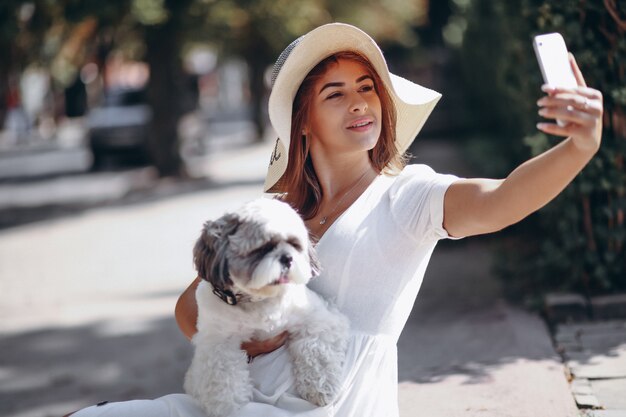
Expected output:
(343, 123)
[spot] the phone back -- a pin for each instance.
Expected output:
(553, 60)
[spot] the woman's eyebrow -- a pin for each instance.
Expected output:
(328, 85)
(342, 84)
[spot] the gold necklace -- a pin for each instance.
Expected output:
(324, 218)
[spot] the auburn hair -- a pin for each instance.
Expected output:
(300, 181)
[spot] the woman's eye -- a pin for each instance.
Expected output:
(367, 88)
(336, 94)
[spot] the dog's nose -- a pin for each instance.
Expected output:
(286, 260)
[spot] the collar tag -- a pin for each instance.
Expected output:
(226, 295)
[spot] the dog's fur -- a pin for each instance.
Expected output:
(263, 255)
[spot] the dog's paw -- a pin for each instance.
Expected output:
(317, 381)
(321, 394)
(318, 362)
(218, 379)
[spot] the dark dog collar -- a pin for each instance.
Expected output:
(227, 296)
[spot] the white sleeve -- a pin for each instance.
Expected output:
(416, 202)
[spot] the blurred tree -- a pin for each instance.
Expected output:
(21, 28)
(577, 242)
(258, 30)
(63, 33)
(54, 34)
(163, 24)
(8, 32)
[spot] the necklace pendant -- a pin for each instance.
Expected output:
(323, 221)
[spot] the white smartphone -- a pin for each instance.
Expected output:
(553, 61)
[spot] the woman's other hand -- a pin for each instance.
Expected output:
(579, 108)
(259, 347)
(187, 313)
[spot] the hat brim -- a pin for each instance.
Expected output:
(413, 102)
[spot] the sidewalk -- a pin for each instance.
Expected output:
(595, 354)
(86, 311)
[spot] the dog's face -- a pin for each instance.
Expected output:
(256, 250)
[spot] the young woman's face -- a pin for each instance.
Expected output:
(345, 113)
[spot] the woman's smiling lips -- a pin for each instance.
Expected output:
(361, 125)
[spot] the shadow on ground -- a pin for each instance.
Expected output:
(460, 324)
(55, 369)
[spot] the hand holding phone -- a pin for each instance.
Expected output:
(554, 62)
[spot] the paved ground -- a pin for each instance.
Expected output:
(595, 354)
(87, 301)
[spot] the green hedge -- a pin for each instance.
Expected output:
(577, 242)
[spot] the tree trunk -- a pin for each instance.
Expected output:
(257, 92)
(8, 59)
(257, 55)
(4, 88)
(164, 91)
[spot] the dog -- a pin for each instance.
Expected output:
(255, 264)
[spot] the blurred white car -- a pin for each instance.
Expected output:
(118, 128)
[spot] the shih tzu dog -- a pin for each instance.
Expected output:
(255, 264)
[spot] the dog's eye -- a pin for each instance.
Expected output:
(263, 250)
(295, 243)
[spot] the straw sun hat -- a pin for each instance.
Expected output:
(413, 102)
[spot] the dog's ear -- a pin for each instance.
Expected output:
(314, 261)
(209, 252)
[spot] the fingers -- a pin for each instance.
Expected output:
(572, 102)
(581, 106)
(590, 93)
(258, 347)
(568, 114)
(584, 138)
(577, 73)
(281, 338)
(569, 129)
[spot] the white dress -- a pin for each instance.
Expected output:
(373, 261)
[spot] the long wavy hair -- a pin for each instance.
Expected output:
(300, 182)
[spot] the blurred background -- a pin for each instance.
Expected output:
(125, 124)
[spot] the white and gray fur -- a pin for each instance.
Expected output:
(263, 255)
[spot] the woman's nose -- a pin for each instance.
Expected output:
(358, 104)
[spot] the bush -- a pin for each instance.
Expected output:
(577, 242)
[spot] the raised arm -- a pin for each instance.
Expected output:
(479, 206)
